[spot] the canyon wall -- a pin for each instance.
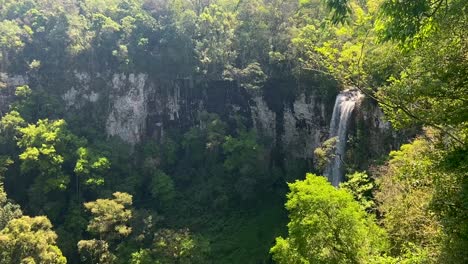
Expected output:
(135, 107)
(139, 108)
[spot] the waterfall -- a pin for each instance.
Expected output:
(342, 111)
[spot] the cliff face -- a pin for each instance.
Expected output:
(8, 83)
(139, 108)
(136, 107)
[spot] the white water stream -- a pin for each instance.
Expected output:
(344, 105)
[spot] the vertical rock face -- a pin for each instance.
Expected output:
(263, 118)
(168, 105)
(8, 84)
(138, 107)
(127, 117)
(81, 91)
(13, 80)
(135, 107)
(142, 108)
(375, 134)
(304, 126)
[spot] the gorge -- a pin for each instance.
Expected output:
(225, 132)
(137, 107)
(146, 112)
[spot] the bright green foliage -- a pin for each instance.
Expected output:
(422, 198)
(404, 21)
(412, 254)
(43, 147)
(29, 240)
(90, 167)
(406, 190)
(215, 40)
(9, 125)
(110, 216)
(143, 256)
(12, 38)
(46, 150)
(95, 251)
(325, 153)
(359, 184)
(56, 161)
(338, 50)
(327, 226)
(432, 89)
(11, 121)
(23, 91)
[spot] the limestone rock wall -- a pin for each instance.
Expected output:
(263, 118)
(135, 107)
(8, 84)
(139, 107)
(128, 111)
(371, 136)
(305, 126)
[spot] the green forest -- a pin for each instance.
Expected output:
(200, 131)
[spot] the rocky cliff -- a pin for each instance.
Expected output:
(8, 83)
(136, 107)
(139, 108)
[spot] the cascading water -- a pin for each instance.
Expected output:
(344, 106)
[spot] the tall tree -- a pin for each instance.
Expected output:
(327, 226)
(29, 240)
(214, 44)
(110, 216)
(406, 190)
(110, 222)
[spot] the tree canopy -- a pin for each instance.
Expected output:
(327, 226)
(30, 240)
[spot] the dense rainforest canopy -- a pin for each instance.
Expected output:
(213, 191)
